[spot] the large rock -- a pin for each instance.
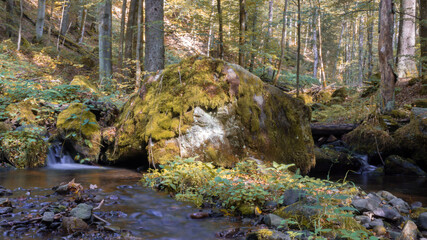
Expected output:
(412, 138)
(422, 221)
(409, 232)
(369, 139)
(24, 149)
(216, 110)
(78, 126)
(397, 165)
(82, 211)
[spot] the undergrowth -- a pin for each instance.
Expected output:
(252, 184)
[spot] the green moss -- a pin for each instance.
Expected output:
(83, 82)
(422, 103)
(24, 149)
(416, 212)
(247, 209)
(21, 112)
(341, 93)
(263, 234)
(306, 98)
(369, 139)
(78, 125)
(5, 127)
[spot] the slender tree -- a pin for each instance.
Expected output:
(154, 48)
(268, 39)
(82, 23)
(406, 65)
(322, 67)
(21, 15)
(385, 49)
(315, 51)
(211, 26)
(129, 38)
(253, 37)
(138, 45)
(361, 37)
(40, 19)
(122, 35)
(282, 43)
(242, 27)
(65, 19)
(105, 34)
(423, 36)
(220, 31)
(298, 44)
(10, 19)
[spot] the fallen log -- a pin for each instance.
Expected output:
(332, 129)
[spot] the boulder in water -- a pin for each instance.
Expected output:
(78, 126)
(397, 165)
(216, 110)
(412, 138)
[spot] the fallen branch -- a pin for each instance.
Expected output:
(100, 205)
(101, 219)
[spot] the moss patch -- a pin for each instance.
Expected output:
(78, 125)
(24, 149)
(21, 112)
(84, 83)
(369, 139)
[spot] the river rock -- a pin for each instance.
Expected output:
(274, 221)
(387, 212)
(48, 217)
(292, 196)
(82, 211)
(375, 223)
(218, 111)
(267, 234)
(199, 215)
(386, 195)
(416, 205)
(4, 202)
(422, 221)
(409, 232)
(397, 165)
(400, 205)
(72, 224)
(4, 210)
(5, 192)
(364, 220)
(367, 204)
(379, 230)
(411, 139)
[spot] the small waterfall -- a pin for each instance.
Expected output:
(365, 166)
(59, 159)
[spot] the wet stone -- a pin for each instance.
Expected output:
(292, 196)
(4, 202)
(82, 211)
(409, 231)
(48, 217)
(5, 192)
(199, 215)
(5, 210)
(72, 224)
(416, 205)
(364, 205)
(422, 221)
(272, 220)
(400, 205)
(376, 223)
(387, 212)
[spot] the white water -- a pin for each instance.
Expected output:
(365, 166)
(57, 159)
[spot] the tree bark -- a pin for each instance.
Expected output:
(360, 79)
(370, 46)
(105, 34)
(65, 17)
(21, 15)
(242, 27)
(40, 19)
(130, 35)
(423, 36)
(154, 48)
(298, 44)
(282, 43)
(268, 39)
(82, 25)
(138, 46)
(322, 67)
(385, 47)
(334, 71)
(315, 52)
(253, 38)
(220, 31)
(122, 36)
(10, 19)
(406, 65)
(211, 25)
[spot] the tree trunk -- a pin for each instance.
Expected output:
(298, 44)
(122, 36)
(21, 15)
(406, 65)
(65, 17)
(253, 38)
(242, 27)
(334, 71)
(40, 19)
(211, 25)
(423, 36)
(130, 34)
(315, 52)
(370, 46)
(385, 47)
(360, 79)
(220, 31)
(10, 18)
(82, 25)
(322, 67)
(138, 46)
(268, 40)
(282, 43)
(154, 48)
(105, 34)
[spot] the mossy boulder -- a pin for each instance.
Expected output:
(77, 125)
(369, 139)
(397, 165)
(421, 103)
(331, 160)
(84, 83)
(22, 112)
(339, 95)
(24, 149)
(216, 110)
(411, 139)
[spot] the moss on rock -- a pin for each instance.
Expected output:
(203, 104)
(368, 138)
(84, 83)
(24, 149)
(78, 125)
(411, 139)
(21, 112)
